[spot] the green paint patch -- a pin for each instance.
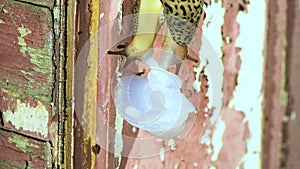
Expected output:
(40, 77)
(37, 150)
(284, 93)
(10, 164)
(23, 144)
(21, 42)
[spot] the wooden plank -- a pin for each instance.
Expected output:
(27, 70)
(70, 52)
(273, 107)
(21, 152)
(292, 151)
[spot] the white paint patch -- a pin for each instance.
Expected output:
(2, 21)
(162, 154)
(247, 95)
(197, 83)
(203, 138)
(217, 142)
(33, 119)
(171, 144)
(133, 129)
(135, 166)
(121, 15)
(211, 55)
(293, 116)
(118, 146)
(101, 15)
(213, 23)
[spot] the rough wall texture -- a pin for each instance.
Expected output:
(27, 79)
(26, 68)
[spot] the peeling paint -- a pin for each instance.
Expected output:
(212, 45)
(197, 82)
(215, 13)
(162, 154)
(217, 142)
(101, 15)
(21, 42)
(33, 119)
(118, 146)
(250, 79)
(171, 144)
(22, 144)
(135, 166)
(293, 116)
(133, 129)
(284, 93)
(41, 59)
(203, 138)
(120, 25)
(2, 21)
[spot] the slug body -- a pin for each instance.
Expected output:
(181, 16)
(146, 23)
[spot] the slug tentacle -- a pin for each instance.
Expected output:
(146, 23)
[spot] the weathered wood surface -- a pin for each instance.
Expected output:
(27, 70)
(17, 151)
(274, 80)
(291, 132)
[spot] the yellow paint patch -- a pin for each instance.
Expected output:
(23, 32)
(33, 119)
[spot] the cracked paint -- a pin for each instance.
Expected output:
(250, 80)
(33, 119)
(215, 13)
